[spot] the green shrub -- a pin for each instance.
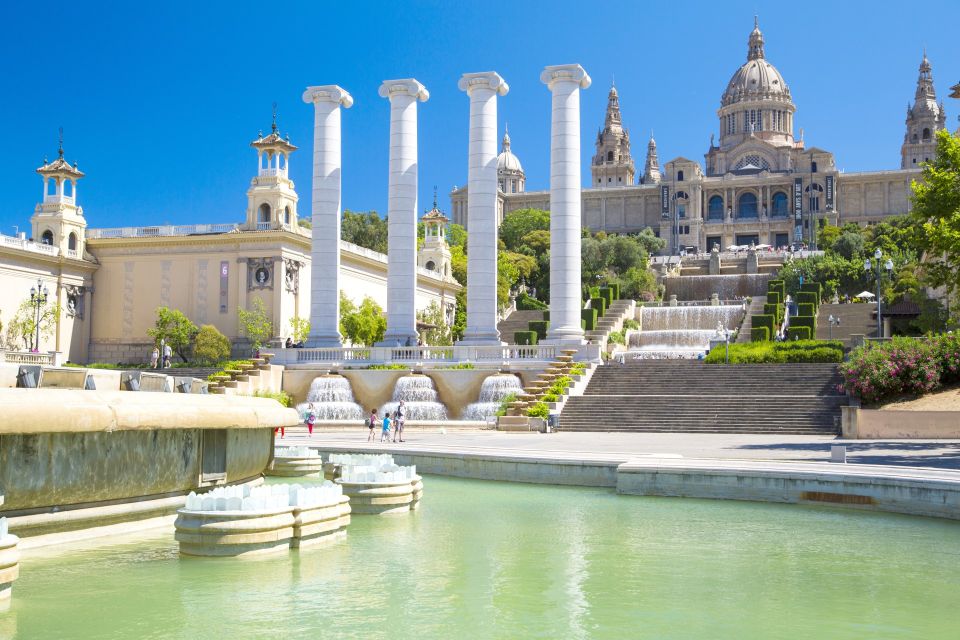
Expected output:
(600, 304)
(798, 333)
(546, 314)
(578, 369)
(615, 289)
(779, 286)
(376, 367)
(538, 410)
(616, 337)
(813, 287)
(807, 297)
(456, 367)
(607, 294)
(759, 334)
(777, 352)
(594, 292)
(589, 318)
(504, 404)
(775, 310)
(525, 337)
(210, 346)
(559, 386)
(527, 302)
(882, 371)
(765, 320)
(280, 396)
(806, 309)
(539, 327)
(630, 323)
(774, 297)
(549, 397)
(804, 321)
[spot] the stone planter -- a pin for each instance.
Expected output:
(234, 533)
(417, 485)
(9, 565)
(332, 471)
(379, 498)
(320, 523)
(296, 467)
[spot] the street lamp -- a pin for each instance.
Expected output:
(888, 265)
(834, 321)
(38, 298)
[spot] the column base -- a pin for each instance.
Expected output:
(572, 337)
(326, 341)
(481, 339)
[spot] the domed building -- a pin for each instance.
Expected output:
(759, 184)
(510, 175)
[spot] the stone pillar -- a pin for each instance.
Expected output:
(402, 210)
(325, 246)
(565, 82)
(483, 89)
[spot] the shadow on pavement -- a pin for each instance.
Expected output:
(943, 455)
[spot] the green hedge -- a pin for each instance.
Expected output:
(798, 333)
(779, 286)
(767, 321)
(813, 287)
(761, 352)
(546, 315)
(600, 304)
(775, 310)
(760, 334)
(774, 297)
(615, 288)
(607, 294)
(808, 297)
(525, 337)
(540, 328)
(594, 292)
(529, 303)
(804, 321)
(806, 309)
(589, 319)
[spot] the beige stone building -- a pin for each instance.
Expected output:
(758, 184)
(109, 282)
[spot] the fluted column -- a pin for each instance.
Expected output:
(483, 89)
(565, 82)
(325, 246)
(402, 210)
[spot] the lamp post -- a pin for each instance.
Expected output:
(38, 298)
(834, 321)
(868, 267)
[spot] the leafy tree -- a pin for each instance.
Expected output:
(519, 223)
(456, 236)
(623, 253)
(364, 324)
(210, 346)
(458, 264)
(367, 230)
(23, 327)
(849, 245)
(439, 335)
(936, 210)
(460, 315)
(638, 283)
(299, 329)
(256, 323)
(175, 329)
(649, 241)
(306, 223)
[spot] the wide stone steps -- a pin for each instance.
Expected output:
(517, 321)
(755, 308)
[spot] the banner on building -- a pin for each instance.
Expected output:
(829, 192)
(797, 198)
(664, 201)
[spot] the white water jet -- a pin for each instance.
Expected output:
(726, 286)
(493, 390)
(420, 399)
(679, 332)
(331, 398)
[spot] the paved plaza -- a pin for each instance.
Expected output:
(944, 454)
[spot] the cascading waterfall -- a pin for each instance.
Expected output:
(493, 390)
(420, 399)
(331, 398)
(679, 332)
(727, 287)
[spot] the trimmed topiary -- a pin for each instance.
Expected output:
(589, 319)
(546, 314)
(813, 287)
(798, 333)
(774, 297)
(806, 309)
(607, 294)
(807, 297)
(526, 302)
(759, 334)
(600, 304)
(804, 321)
(767, 321)
(539, 327)
(525, 337)
(615, 288)
(775, 310)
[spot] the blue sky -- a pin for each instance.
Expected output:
(159, 101)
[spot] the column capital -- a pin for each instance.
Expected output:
(484, 80)
(328, 93)
(565, 72)
(404, 87)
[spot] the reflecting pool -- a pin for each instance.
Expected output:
(499, 560)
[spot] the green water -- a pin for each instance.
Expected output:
(499, 560)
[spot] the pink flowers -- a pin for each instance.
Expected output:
(903, 366)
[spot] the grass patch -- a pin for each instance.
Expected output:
(779, 352)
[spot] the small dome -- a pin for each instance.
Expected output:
(506, 161)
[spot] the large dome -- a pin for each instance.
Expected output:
(757, 79)
(506, 161)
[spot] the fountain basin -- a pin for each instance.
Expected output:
(320, 523)
(9, 564)
(296, 466)
(234, 533)
(383, 498)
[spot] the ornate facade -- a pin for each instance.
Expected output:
(758, 184)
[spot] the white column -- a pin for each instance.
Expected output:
(565, 82)
(483, 89)
(402, 210)
(325, 246)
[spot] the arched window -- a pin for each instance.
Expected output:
(715, 208)
(779, 203)
(747, 207)
(679, 176)
(431, 266)
(263, 214)
(47, 237)
(814, 190)
(72, 242)
(609, 156)
(914, 137)
(926, 133)
(287, 215)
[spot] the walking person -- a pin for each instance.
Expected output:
(311, 418)
(154, 358)
(167, 356)
(398, 420)
(385, 433)
(372, 424)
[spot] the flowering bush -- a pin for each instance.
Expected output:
(877, 372)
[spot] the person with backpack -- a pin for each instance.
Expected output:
(372, 424)
(311, 418)
(398, 419)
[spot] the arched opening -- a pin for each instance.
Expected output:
(681, 198)
(926, 133)
(679, 176)
(263, 214)
(68, 188)
(747, 207)
(52, 187)
(609, 156)
(282, 161)
(287, 215)
(431, 265)
(715, 208)
(913, 138)
(72, 242)
(814, 191)
(47, 237)
(779, 203)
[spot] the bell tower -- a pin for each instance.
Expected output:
(435, 252)
(612, 165)
(57, 220)
(924, 119)
(272, 199)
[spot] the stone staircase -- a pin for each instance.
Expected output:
(756, 307)
(693, 397)
(535, 391)
(517, 321)
(612, 320)
(854, 319)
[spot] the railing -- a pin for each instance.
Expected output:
(264, 226)
(27, 245)
(162, 230)
(73, 253)
(428, 355)
(27, 357)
